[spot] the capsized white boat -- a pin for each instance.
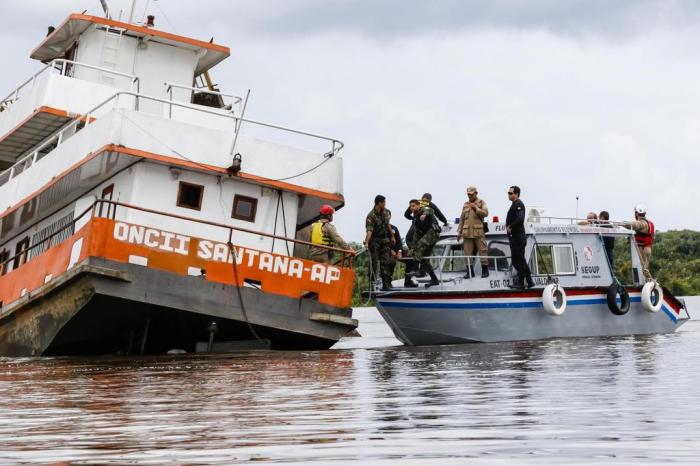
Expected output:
(144, 213)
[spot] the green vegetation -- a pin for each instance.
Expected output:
(675, 263)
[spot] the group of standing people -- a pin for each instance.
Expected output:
(384, 245)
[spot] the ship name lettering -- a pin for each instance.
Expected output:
(283, 265)
(137, 234)
(590, 269)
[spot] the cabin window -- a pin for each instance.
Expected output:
(21, 252)
(190, 195)
(244, 208)
(552, 259)
(28, 211)
(4, 255)
(106, 209)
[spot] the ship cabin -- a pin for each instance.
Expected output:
(120, 147)
(559, 250)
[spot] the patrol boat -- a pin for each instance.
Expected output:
(577, 293)
(144, 213)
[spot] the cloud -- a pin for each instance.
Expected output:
(395, 19)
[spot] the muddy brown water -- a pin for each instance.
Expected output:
(622, 400)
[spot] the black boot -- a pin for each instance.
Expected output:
(517, 284)
(484, 271)
(530, 283)
(386, 285)
(470, 272)
(408, 283)
(433, 279)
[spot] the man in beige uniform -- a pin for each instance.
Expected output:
(323, 233)
(471, 230)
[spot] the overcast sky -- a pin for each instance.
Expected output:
(596, 99)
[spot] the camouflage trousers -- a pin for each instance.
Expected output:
(381, 262)
(424, 244)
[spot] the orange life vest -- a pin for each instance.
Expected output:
(646, 239)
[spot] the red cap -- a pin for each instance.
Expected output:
(326, 210)
(495, 219)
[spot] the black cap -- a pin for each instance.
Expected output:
(379, 198)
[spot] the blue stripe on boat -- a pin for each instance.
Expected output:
(510, 305)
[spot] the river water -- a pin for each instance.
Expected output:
(623, 400)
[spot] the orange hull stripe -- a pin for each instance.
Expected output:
(100, 239)
(140, 29)
(178, 162)
(222, 171)
(50, 110)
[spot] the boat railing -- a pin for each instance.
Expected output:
(96, 210)
(38, 152)
(470, 261)
(64, 68)
(235, 100)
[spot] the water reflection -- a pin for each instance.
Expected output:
(632, 398)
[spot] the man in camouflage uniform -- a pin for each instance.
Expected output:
(378, 242)
(426, 235)
(471, 231)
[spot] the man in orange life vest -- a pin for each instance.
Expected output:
(323, 233)
(644, 232)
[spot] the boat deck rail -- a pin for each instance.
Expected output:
(63, 67)
(235, 100)
(80, 122)
(110, 207)
(574, 221)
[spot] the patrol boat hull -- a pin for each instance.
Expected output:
(440, 318)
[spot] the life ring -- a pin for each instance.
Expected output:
(614, 291)
(652, 296)
(554, 299)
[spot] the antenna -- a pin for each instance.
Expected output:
(106, 9)
(576, 206)
(132, 7)
(239, 122)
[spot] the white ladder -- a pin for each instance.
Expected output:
(110, 54)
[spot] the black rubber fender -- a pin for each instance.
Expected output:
(614, 291)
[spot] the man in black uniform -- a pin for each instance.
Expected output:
(515, 225)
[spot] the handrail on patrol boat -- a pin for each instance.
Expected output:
(346, 254)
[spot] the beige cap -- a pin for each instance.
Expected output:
(471, 189)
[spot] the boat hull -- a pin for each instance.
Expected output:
(432, 319)
(107, 307)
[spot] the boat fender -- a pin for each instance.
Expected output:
(652, 296)
(554, 299)
(614, 291)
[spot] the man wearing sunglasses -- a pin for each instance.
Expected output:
(515, 225)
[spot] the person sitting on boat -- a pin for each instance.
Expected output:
(515, 226)
(427, 233)
(471, 231)
(644, 232)
(323, 233)
(608, 241)
(591, 219)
